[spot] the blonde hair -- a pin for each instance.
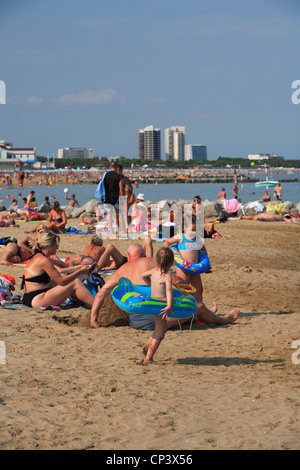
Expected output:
(165, 259)
(46, 239)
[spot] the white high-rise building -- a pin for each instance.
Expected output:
(174, 143)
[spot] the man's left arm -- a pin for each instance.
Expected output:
(99, 300)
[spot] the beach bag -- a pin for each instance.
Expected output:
(6, 240)
(100, 191)
(6, 286)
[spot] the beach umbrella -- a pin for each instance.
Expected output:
(266, 173)
(235, 179)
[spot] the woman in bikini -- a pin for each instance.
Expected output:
(91, 253)
(57, 220)
(44, 285)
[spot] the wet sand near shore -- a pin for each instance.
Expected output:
(67, 386)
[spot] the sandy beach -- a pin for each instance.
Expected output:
(67, 386)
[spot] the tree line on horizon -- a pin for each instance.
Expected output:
(221, 162)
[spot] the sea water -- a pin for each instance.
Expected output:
(152, 192)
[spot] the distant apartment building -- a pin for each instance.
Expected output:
(195, 152)
(75, 152)
(263, 156)
(10, 154)
(149, 143)
(175, 143)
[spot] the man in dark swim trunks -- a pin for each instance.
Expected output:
(135, 250)
(114, 187)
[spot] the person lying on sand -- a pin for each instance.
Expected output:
(8, 223)
(15, 253)
(270, 218)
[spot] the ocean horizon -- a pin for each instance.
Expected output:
(152, 192)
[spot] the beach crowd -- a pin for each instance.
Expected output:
(49, 280)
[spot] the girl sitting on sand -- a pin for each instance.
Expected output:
(189, 245)
(42, 282)
(161, 286)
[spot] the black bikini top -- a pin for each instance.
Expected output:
(43, 278)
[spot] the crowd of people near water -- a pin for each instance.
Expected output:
(49, 280)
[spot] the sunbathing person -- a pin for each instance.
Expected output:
(57, 220)
(91, 253)
(210, 232)
(270, 218)
(8, 222)
(12, 210)
(15, 253)
(44, 285)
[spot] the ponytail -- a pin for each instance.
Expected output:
(165, 259)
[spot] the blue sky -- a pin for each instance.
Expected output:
(92, 73)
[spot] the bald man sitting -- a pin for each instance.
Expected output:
(139, 262)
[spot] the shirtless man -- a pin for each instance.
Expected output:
(222, 194)
(138, 264)
(266, 197)
(278, 191)
(72, 199)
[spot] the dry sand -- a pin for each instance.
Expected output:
(67, 386)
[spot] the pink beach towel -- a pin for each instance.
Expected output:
(231, 205)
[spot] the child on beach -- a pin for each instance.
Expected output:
(161, 286)
(189, 245)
